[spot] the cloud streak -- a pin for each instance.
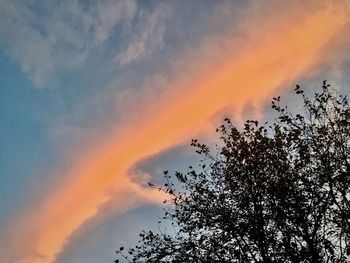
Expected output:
(169, 120)
(149, 38)
(49, 38)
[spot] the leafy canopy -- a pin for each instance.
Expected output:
(271, 193)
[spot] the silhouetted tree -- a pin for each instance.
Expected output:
(271, 193)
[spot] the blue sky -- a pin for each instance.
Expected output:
(80, 76)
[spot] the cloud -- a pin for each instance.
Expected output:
(270, 61)
(149, 36)
(109, 15)
(50, 37)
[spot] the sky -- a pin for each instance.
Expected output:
(97, 98)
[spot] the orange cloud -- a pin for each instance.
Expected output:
(253, 76)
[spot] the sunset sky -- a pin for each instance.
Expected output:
(100, 97)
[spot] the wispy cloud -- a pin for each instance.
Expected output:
(148, 37)
(51, 37)
(111, 13)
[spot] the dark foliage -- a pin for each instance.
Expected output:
(272, 193)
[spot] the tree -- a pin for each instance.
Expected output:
(271, 193)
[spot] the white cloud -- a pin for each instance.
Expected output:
(34, 53)
(48, 37)
(108, 15)
(148, 38)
